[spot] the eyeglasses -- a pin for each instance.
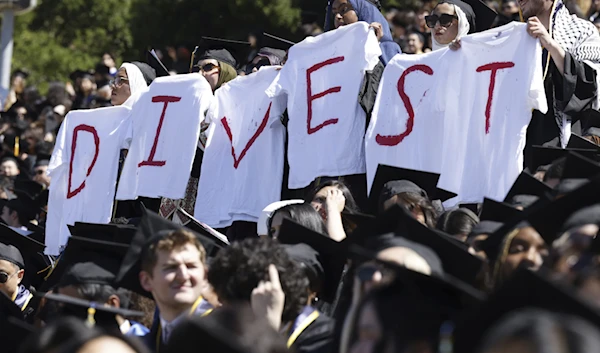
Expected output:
(205, 68)
(4, 277)
(343, 10)
(444, 19)
(118, 81)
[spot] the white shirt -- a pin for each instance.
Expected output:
(159, 164)
(485, 133)
(83, 168)
(322, 79)
(242, 167)
(415, 84)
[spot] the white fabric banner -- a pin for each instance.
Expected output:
(84, 167)
(165, 130)
(242, 168)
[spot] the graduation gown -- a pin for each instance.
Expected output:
(574, 91)
(314, 334)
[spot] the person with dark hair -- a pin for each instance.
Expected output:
(131, 80)
(415, 43)
(330, 199)
(217, 66)
(260, 272)
(9, 167)
(265, 57)
(411, 197)
(303, 214)
(554, 173)
(458, 222)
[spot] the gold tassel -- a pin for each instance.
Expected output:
(193, 57)
(91, 321)
(16, 149)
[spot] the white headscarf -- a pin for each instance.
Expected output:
(137, 83)
(463, 29)
(262, 227)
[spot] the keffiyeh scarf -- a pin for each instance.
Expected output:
(579, 38)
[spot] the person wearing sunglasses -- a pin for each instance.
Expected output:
(217, 66)
(449, 21)
(131, 79)
(11, 270)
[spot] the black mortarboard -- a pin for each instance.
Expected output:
(455, 256)
(26, 245)
(523, 201)
(579, 167)
(332, 254)
(497, 211)
(87, 261)
(548, 220)
(204, 332)
(357, 220)
(92, 313)
(29, 187)
(579, 142)
(310, 260)
(542, 155)
(423, 180)
(147, 71)
(11, 254)
(73, 76)
(151, 229)
(25, 205)
(586, 215)
(39, 233)
(232, 52)
(525, 289)
(118, 233)
(156, 64)
(526, 184)
(484, 227)
(220, 239)
(276, 42)
(484, 15)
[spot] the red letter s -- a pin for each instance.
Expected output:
(311, 130)
(393, 140)
(92, 131)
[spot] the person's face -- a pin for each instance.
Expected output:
(14, 277)
(442, 34)
(510, 8)
(252, 40)
(368, 331)
(18, 84)
(416, 211)
(87, 85)
(120, 88)
(41, 176)
(178, 278)
(414, 44)
(319, 202)
(343, 13)
(106, 344)
(9, 168)
(526, 249)
(108, 61)
(209, 68)
(21, 113)
(276, 222)
(531, 8)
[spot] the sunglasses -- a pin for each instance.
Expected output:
(4, 277)
(444, 19)
(205, 68)
(343, 10)
(118, 81)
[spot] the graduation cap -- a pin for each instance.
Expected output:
(586, 215)
(580, 142)
(232, 52)
(542, 155)
(526, 184)
(579, 167)
(92, 313)
(87, 261)
(151, 229)
(273, 41)
(425, 181)
(205, 230)
(117, 233)
(267, 212)
(154, 61)
(330, 255)
(28, 187)
(484, 15)
(455, 256)
(592, 131)
(484, 227)
(38, 233)
(11, 254)
(26, 245)
(25, 205)
(525, 289)
(497, 211)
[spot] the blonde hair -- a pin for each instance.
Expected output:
(174, 240)
(502, 257)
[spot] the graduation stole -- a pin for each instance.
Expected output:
(192, 310)
(301, 327)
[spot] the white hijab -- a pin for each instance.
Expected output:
(137, 83)
(463, 29)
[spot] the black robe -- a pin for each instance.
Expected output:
(317, 337)
(575, 91)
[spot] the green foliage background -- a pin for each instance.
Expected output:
(60, 36)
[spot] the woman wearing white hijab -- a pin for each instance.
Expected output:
(132, 79)
(449, 21)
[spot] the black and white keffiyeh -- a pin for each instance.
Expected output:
(579, 38)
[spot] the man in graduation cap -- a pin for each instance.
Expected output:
(571, 53)
(12, 270)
